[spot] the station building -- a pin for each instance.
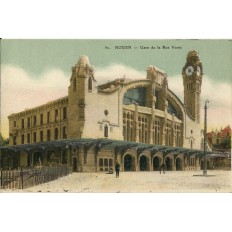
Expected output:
(138, 123)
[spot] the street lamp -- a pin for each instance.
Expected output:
(205, 132)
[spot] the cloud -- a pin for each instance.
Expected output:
(219, 96)
(114, 71)
(20, 90)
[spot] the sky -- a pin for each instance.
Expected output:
(34, 72)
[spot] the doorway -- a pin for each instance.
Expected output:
(168, 164)
(143, 163)
(74, 164)
(178, 164)
(156, 163)
(128, 163)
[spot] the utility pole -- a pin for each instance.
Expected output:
(205, 133)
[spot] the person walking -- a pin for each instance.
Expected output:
(162, 168)
(117, 169)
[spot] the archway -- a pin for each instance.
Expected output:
(129, 163)
(74, 164)
(168, 163)
(178, 164)
(156, 163)
(64, 157)
(37, 159)
(143, 163)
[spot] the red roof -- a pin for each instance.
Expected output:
(221, 134)
(226, 131)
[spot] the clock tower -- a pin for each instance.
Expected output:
(192, 74)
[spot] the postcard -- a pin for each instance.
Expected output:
(116, 116)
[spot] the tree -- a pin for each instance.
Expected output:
(3, 142)
(225, 144)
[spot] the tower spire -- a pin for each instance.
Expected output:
(192, 74)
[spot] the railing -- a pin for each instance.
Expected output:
(26, 178)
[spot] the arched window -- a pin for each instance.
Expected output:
(106, 131)
(90, 84)
(137, 95)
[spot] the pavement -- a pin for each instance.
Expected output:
(138, 182)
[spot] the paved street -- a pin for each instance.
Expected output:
(178, 181)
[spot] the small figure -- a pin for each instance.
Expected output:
(117, 169)
(162, 167)
(111, 171)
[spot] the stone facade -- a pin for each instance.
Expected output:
(142, 111)
(43, 123)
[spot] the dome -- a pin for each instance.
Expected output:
(192, 54)
(193, 57)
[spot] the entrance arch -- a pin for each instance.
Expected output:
(178, 164)
(143, 163)
(156, 163)
(168, 163)
(38, 159)
(74, 164)
(129, 163)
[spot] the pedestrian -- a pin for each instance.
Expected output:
(117, 169)
(163, 168)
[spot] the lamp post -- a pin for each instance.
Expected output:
(205, 131)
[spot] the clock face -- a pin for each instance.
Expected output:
(198, 70)
(189, 70)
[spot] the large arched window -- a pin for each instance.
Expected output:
(171, 109)
(137, 95)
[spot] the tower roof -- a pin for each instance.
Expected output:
(192, 53)
(193, 57)
(83, 61)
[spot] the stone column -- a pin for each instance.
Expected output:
(174, 131)
(81, 153)
(197, 165)
(152, 120)
(163, 131)
(136, 123)
(174, 163)
(45, 159)
(149, 163)
(137, 163)
(32, 159)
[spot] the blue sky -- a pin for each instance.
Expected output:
(38, 56)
